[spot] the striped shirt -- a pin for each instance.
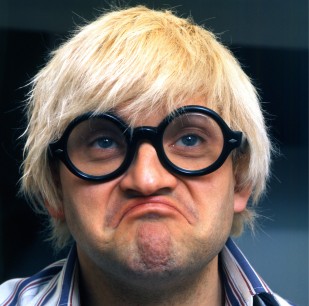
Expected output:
(57, 284)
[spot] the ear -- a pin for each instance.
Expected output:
(55, 213)
(241, 198)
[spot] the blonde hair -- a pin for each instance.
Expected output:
(139, 60)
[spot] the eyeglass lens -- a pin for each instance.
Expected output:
(97, 146)
(193, 141)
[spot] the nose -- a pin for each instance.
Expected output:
(146, 176)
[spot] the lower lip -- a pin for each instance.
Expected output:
(151, 211)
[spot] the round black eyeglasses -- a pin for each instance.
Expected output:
(191, 141)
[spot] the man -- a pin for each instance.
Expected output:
(145, 142)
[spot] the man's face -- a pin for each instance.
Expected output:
(149, 223)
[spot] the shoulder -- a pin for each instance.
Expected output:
(31, 290)
(12, 292)
(242, 283)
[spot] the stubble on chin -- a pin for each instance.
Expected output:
(154, 247)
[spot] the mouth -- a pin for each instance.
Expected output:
(151, 209)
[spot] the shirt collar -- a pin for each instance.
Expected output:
(241, 282)
(69, 280)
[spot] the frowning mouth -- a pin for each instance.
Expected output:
(154, 208)
(151, 210)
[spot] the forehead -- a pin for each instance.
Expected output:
(155, 114)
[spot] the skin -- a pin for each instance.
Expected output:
(150, 237)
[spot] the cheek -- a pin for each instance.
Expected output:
(215, 201)
(84, 204)
(213, 196)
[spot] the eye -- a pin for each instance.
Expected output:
(104, 146)
(189, 140)
(104, 143)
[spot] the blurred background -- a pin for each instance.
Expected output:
(270, 39)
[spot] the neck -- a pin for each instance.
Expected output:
(202, 288)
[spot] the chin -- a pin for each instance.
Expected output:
(154, 277)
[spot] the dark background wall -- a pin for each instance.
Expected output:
(270, 38)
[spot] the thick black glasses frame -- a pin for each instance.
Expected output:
(135, 136)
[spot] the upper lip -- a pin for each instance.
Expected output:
(132, 203)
